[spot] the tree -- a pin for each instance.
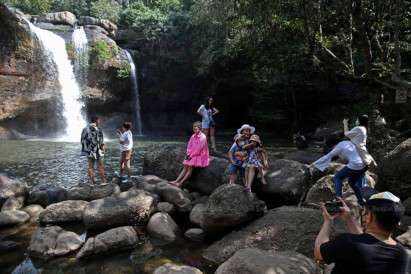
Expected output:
(106, 9)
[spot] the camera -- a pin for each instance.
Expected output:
(333, 207)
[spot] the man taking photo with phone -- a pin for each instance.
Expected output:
(367, 249)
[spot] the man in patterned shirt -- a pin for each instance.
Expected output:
(92, 146)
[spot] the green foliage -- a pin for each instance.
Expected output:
(30, 6)
(77, 7)
(69, 49)
(99, 51)
(106, 9)
(124, 73)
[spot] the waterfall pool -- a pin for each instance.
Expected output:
(51, 163)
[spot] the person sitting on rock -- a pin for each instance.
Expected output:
(299, 141)
(370, 249)
(236, 160)
(197, 155)
(246, 131)
(257, 159)
(354, 170)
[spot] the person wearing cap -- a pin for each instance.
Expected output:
(366, 249)
(92, 146)
(236, 160)
(354, 170)
(246, 131)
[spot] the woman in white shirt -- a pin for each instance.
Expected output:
(207, 111)
(354, 170)
(125, 140)
(357, 135)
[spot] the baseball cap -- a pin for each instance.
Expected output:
(384, 201)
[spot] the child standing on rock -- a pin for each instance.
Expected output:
(197, 155)
(237, 161)
(257, 159)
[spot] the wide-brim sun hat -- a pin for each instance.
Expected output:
(245, 126)
(255, 138)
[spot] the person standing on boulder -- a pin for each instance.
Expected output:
(370, 248)
(197, 155)
(92, 146)
(207, 111)
(126, 147)
(354, 170)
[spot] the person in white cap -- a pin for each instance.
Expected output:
(370, 248)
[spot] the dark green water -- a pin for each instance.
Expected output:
(48, 163)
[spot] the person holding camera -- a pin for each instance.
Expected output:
(366, 249)
(126, 148)
(207, 111)
(197, 155)
(354, 170)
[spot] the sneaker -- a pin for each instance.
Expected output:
(104, 184)
(126, 181)
(117, 174)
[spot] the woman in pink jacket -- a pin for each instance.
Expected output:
(197, 155)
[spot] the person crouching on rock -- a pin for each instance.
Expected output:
(126, 147)
(257, 158)
(354, 170)
(236, 160)
(197, 155)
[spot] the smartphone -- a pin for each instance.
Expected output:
(333, 207)
(118, 131)
(186, 158)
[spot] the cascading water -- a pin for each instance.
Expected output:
(135, 88)
(80, 52)
(55, 48)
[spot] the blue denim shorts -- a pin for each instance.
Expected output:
(233, 170)
(205, 124)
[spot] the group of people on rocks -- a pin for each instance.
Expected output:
(368, 248)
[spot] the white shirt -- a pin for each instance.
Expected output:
(127, 138)
(345, 150)
(358, 136)
(206, 112)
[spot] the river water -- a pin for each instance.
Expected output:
(49, 163)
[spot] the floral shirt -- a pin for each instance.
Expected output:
(92, 141)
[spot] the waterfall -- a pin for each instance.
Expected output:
(80, 52)
(55, 49)
(135, 89)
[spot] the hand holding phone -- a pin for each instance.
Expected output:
(333, 207)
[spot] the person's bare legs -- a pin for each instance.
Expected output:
(101, 169)
(206, 130)
(261, 171)
(251, 175)
(121, 166)
(182, 174)
(91, 172)
(246, 176)
(187, 176)
(212, 137)
(128, 167)
(233, 178)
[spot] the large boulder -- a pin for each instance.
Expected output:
(174, 195)
(59, 18)
(88, 192)
(149, 182)
(394, 171)
(113, 240)
(53, 241)
(45, 196)
(176, 269)
(13, 217)
(405, 239)
(128, 208)
(160, 160)
(34, 211)
(11, 186)
(13, 203)
(162, 229)
(284, 228)
(230, 205)
(331, 169)
(254, 260)
(165, 207)
(304, 157)
(287, 182)
(105, 24)
(196, 214)
(63, 212)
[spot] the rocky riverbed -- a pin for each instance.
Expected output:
(153, 227)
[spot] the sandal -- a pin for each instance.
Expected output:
(248, 188)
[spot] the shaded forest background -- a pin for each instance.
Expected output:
(281, 65)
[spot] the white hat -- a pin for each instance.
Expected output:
(245, 126)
